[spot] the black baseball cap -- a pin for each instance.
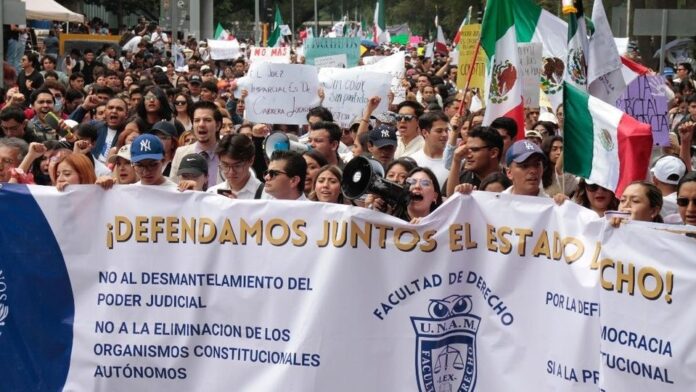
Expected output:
(193, 164)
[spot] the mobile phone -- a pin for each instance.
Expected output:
(224, 192)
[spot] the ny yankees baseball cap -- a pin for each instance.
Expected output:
(521, 150)
(383, 135)
(146, 146)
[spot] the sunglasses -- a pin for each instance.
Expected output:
(179, 103)
(684, 201)
(592, 187)
(271, 173)
(404, 117)
(423, 182)
(150, 97)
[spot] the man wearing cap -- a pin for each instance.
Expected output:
(382, 143)
(193, 173)
(325, 137)
(525, 165)
(194, 85)
(207, 121)
(236, 155)
(434, 128)
(123, 170)
(666, 173)
(533, 136)
(147, 157)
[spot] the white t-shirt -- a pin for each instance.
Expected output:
(669, 205)
(167, 184)
(437, 165)
(247, 192)
(132, 45)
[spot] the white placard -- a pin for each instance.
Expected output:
(333, 61)
(394, 66)
(348, 90)
(531, 64)
(223, 49)
(280, 93)
(279, 55)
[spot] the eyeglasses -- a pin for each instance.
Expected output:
(684, 201)
(225, 167)
(180, 103)
(404, 117)
(150, 97)
(146, 166)
(477, 149)
(592, 187)
(273, 173)
(424, 182)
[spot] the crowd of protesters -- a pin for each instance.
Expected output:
(131, 117)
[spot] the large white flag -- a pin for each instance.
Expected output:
(604, 76)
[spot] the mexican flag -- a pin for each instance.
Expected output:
(602, 143)
(220, 33)
(380, 34)
(578, 49)
(466, 21)
(504, 84)
(535, 24)
(276, 37)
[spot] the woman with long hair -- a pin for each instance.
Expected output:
(315, 161)
(73, 169)
(596, 198)
(327, 185)
(154, 106)
(183, 107)
(643, 201)
(553, 178)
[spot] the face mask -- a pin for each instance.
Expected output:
(58, 105)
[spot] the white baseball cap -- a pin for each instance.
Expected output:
(669, 169)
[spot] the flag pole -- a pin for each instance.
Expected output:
(471, 73)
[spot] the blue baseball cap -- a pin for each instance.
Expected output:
(521, 150)
(146, 146)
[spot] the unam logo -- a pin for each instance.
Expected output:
(4, 310)
(446, 346)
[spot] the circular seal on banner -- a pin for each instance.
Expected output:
(577, 66)
(4, 309)
(606, 140)
(503, 79)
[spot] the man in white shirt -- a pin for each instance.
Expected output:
(666, 173)
(236, 155)
(525, 165)
(434, 128)
(410, 141)
(207, 121)
(285, 176)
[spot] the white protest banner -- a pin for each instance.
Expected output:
(348, 90)
(454, 57)
(532, 63)
(394, 66)
(369, 60)
(223, 49)
(333, 61)
(279, 55)
(156, 290)
(280, 93)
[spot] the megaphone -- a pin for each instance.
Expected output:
(362, 175)
(280, 141)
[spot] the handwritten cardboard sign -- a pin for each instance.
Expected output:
(644, 99)
(280, 93)
(280, 55)
(531, 63)
(348, 90)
